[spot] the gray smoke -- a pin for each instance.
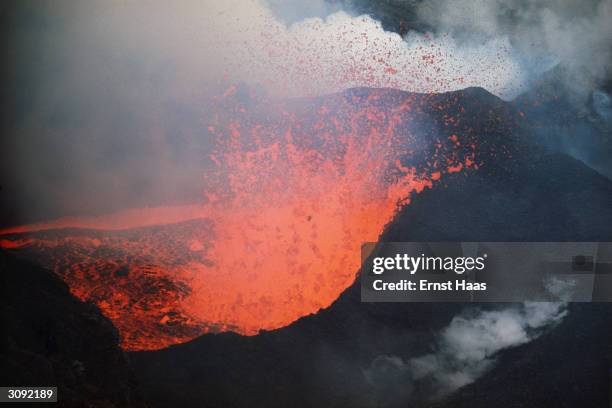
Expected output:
(468, 347)
(107, 102)
(573, 36)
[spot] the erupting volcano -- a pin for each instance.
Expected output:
(298, 185)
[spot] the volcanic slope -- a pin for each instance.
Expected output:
(526, 194)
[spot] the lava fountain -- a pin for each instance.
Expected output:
(297, 187)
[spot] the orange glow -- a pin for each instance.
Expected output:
(292, 198)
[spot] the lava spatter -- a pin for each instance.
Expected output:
(297, 187)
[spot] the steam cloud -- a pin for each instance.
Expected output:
(466, 349)
(244, 40)
(109, 101)
(575, 36)
(114, 92)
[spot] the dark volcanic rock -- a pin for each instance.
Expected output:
(520, 192)
(549, 197)
(524, 194)
(50, 338)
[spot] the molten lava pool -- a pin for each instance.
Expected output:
(290, 199)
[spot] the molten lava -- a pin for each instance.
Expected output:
(297, 187)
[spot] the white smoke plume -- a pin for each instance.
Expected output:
(112, 98)
(468, 347)
(116, 93)
(246, 40)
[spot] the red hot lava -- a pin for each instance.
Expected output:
(297, 187)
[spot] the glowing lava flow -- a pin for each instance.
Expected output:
(294, 195)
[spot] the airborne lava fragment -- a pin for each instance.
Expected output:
(297, 187)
